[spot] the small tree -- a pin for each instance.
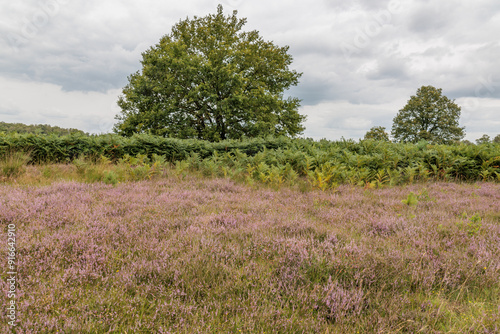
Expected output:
(496, 139)
(429, 116)
(377, 133)
(485, 139)
(209, 80)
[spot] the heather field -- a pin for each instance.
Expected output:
(183, 253)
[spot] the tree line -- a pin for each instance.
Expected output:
(39, 129)
(210, 80)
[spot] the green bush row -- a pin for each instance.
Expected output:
(326, 162)
(51, 148)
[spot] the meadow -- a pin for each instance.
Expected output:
(240, 243)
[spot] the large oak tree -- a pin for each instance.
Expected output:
(209, 80)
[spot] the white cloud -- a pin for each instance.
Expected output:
(42, 103)
(334, 120)
(66, 64)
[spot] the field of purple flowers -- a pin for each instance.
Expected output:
(196, 255)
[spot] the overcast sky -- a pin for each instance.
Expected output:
(64, 62)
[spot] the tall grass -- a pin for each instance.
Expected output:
(13, 164)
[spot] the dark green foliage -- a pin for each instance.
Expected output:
(325, 163)
(466, 142)
(210, 80)
(485, 139)
(41, 129)
(429, 116)
(67, 148)
(377, 133)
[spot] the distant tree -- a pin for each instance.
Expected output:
(497, 139)
(485, 139)
(429, 116)
(466, 142)
(39, 129)
(377, 133)
(209, 80)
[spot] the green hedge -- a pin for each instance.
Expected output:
(51, 148)
(463, 162)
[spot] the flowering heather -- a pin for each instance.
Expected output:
(193, 255)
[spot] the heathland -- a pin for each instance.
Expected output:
(263, 236)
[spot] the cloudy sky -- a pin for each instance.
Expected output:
(64, 62)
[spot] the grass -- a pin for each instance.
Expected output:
(13, 164)
(103, 249)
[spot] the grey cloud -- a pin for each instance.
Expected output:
(311, 93)
(365, 4)
(10, 112)
(437, 52)
(73, 73)
(95, 45)
(394, 69)
(78, 52)
(53, 114)
(428, 20)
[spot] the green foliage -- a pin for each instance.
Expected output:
(430, 116)
(377, 133)
(472, 224)
(141, 167)
(466, 142)
(110, 178)
(485, 139)
(39, 129)
(274, 161)
(497, 139)
(133, 168)
(320, 178)
(381, 177)
(411, 200)
(81, 165)
(209, 80)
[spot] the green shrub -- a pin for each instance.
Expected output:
(474, 224)
(411, 200)
(324, 163)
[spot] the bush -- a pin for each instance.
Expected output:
(329, 162)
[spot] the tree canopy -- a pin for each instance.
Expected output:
(209, 80)
(39, 129)
(485, 139)
(377, 133)
(429, 116)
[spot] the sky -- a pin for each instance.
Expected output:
(65, 62)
